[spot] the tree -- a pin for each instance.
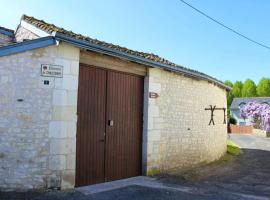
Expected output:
(249, 89)
(228, 83)
(263, 88)
(229, 94)
(237, 89)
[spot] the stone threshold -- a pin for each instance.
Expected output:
(138, 180)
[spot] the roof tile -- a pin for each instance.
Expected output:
(50, 28)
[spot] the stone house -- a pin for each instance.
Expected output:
(238, 103)
(76, 111)
(6, 36)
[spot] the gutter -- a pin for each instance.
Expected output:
(27, 45)
(108, 51)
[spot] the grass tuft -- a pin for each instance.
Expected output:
(233, 148)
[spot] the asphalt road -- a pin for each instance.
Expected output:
(245, 177)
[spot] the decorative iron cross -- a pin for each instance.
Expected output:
(212, 109)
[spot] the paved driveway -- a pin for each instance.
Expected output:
(244, 177)
(248, 141)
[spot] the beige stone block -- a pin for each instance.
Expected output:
(158, 119)
(71, 145)
(64, 113)
(68, 82)
(58, 146)
(152, 101)
(159, 126)
(150, 123)
(4, 79)
(71, 161)
(66, 68)
(154, 135)
(72, 97)
(68, 52)
(162, 148)
(156, 73)
(153, 111)
(74, 69)
(150, 147)
(58, 129)
(57, 162)
(59, 97)
(72, 128)
(155, 87)
(68, 179)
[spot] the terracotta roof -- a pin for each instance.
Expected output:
(51, 28)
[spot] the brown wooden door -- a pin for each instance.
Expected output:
(90, 126)
(123, 139)
(108, 151)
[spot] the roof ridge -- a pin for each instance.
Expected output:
(51, 28)
(27, 18)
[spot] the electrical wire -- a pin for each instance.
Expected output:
(225, 26)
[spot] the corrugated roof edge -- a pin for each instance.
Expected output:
(101, 49)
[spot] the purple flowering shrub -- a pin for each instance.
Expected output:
(258, 113)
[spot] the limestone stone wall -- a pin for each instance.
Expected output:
(176, 130)
(37, 121)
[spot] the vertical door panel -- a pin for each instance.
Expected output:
(91, 126)
(123, 139)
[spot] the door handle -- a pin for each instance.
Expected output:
(101, 140)
(110, 122)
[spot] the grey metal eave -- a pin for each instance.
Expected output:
(27, 45)
(140, 60)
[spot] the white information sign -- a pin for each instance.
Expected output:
(52, 70)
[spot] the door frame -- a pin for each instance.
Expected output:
(144, 117)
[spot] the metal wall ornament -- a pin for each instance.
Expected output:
(212, 109)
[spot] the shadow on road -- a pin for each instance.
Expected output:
(246, 176)
(248, 173)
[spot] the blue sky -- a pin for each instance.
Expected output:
(167, 28)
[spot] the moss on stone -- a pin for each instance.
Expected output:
(154, 171)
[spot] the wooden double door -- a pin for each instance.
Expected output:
(109, 127)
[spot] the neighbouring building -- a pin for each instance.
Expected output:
(76, 111)
(238, 103)
(6, 36)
